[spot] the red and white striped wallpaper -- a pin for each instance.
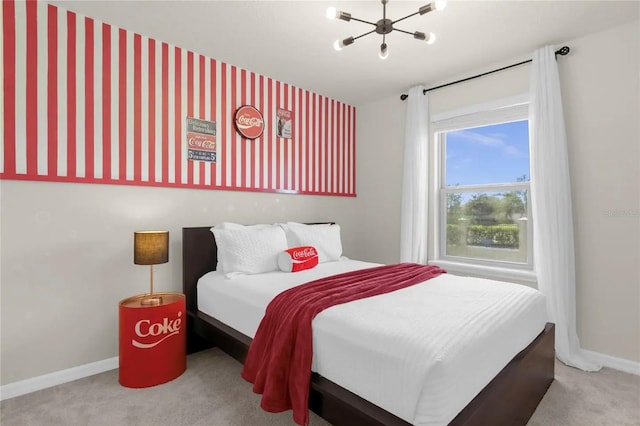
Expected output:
(84, 101)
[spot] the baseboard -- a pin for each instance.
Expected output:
(23, 387)
(615, 363)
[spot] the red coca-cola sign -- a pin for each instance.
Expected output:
(201, 141)
(249, 122)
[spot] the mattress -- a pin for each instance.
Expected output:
(422, 353)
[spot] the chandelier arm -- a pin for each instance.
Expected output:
(403, 31)
(402, 19)
(362, 35)
(363, 21)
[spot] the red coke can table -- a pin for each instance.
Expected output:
(152, 340)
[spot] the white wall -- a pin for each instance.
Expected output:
(601, 93)
(67, 259)
(380, 133)
(600, 80)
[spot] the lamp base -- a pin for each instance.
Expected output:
(151, 301)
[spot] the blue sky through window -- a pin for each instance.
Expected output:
(490, 154)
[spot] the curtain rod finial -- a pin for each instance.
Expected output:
(403, 96)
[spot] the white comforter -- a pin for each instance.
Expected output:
(421, 353)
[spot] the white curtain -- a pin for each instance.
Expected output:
(413, 225)
(553, 246)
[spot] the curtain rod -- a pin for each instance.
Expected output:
(564, 50)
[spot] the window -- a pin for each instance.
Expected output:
(484, 205)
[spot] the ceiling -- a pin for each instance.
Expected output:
(292, 41)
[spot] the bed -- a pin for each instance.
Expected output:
(508, 399)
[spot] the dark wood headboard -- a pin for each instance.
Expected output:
(199, 256)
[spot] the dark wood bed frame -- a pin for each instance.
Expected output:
(509, 399)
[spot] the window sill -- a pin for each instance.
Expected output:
(491, 272)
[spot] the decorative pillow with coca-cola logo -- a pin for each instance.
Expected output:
(298, 259)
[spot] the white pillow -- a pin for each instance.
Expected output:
(250, 249)
(232, 225)
(324, 237)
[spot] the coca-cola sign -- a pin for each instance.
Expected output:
(198, 141)
(201, 140)
(249, 122)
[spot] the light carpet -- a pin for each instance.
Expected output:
(211, 392)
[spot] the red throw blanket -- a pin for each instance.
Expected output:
(279, 359)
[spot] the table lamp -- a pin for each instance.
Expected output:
(151, 248)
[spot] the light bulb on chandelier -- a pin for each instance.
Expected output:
(440, 5)
(430, 38)
(339, 44)
(384, 52)
(385, 25)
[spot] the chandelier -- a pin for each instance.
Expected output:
(385, 25)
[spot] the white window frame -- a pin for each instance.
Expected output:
(501, 111)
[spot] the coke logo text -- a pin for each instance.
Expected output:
(202, 143)
(248, 121)
(305, 253)
(160, 330)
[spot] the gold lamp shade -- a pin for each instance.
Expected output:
(151, 248)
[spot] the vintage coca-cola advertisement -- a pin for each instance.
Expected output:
(201, 140)
(249, 122)
(284, 119)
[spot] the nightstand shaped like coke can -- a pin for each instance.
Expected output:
(152, 340)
